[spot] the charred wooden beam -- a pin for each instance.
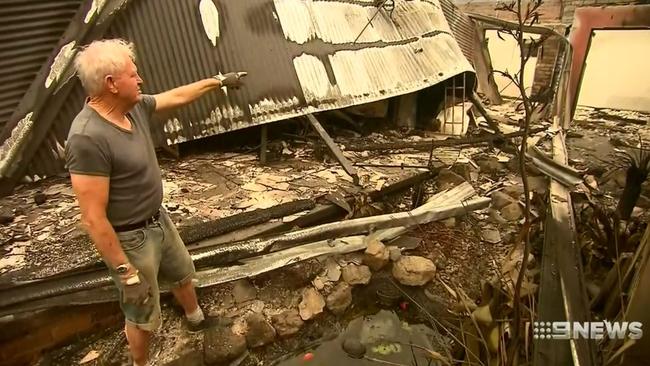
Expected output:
(97, 295)
(194, 233)
(406, 109)
(496, 23)
(263, 144)
(53, 287)
(425, 145)
(562, 275)
(336, 151)
(476, 101)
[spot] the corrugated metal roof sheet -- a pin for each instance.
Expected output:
(301, 57)
(29, 31)
(463, 28)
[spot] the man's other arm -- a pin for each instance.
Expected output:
(92, 194)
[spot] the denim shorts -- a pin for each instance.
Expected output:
(159, 254)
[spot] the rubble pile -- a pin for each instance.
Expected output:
(460, 262)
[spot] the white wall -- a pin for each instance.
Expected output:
(505, 56)
(617, 71)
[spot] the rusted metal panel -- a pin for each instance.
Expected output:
(585, 21)
(301, 57)
(31, 121)
(49, 159)
(463, 28)
(29, 31)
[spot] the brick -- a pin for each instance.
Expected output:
(53, 329)
(25, 348)
(65, 328)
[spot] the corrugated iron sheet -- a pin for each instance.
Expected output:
(463, 28)
(49, 159)
(301, 57)
(29, 31)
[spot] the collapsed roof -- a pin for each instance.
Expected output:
(301, 57)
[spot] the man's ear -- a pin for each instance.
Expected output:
(110, 84)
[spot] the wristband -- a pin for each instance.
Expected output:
(133, 280)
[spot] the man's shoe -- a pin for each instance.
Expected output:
(208, 322)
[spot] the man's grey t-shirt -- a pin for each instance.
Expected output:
(98, 147)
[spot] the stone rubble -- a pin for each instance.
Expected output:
(312, 303)
(339, 299)
(356, 274)
(414, 270)
(376, 255)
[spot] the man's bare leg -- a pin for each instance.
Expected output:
(186, 296)
(138, 340)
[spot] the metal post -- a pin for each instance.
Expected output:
(462, 122)
(263, 144)
(453, 106)
(444, 108)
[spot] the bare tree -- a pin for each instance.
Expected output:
(526, 14)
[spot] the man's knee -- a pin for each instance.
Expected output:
(186, 282)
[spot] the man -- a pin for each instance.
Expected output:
(117, 182)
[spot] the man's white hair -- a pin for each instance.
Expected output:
(99, 59)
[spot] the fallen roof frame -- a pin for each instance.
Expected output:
(31, 121)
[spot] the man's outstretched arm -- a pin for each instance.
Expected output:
(188, 93)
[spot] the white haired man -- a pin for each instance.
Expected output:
(117, 181)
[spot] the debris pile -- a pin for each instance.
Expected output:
(434, 232)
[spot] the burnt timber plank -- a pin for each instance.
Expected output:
(564, 263)
(338, 154)
(428, 144)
